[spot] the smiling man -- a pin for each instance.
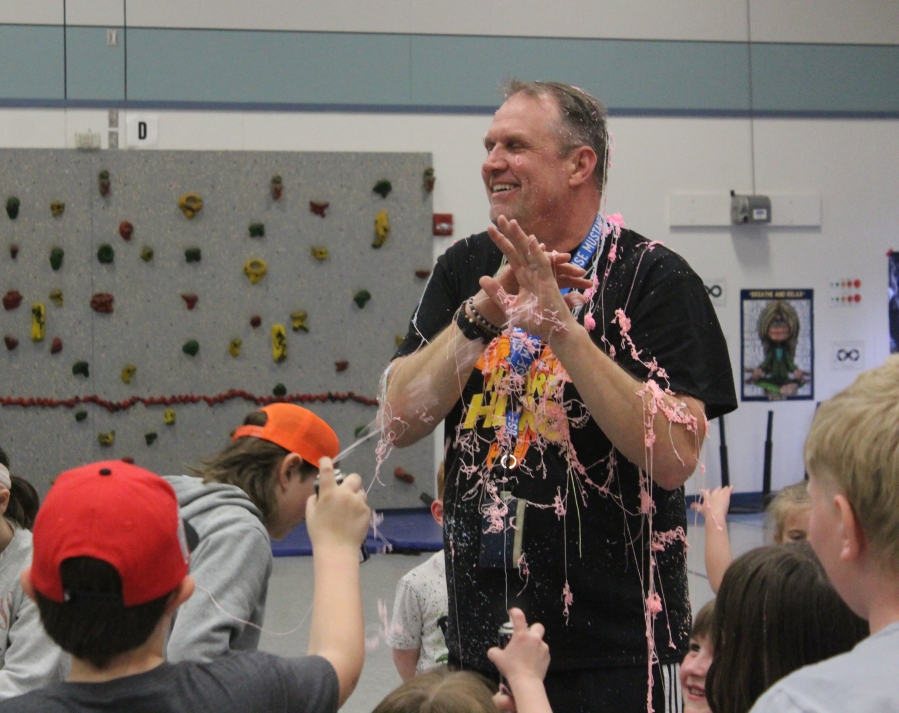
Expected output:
(575, 363)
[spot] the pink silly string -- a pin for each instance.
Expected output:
(383, 628)
(523, 572)
(567, 599)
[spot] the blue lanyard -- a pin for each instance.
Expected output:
(596, 238)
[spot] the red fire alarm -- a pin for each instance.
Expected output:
(443, 224)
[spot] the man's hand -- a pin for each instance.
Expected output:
(338, 515)
(538, 306)
(523, 663)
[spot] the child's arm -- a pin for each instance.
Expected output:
(338, 521)
(406, 661)
(713, 506)
(523, 664)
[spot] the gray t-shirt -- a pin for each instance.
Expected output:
(862, 681)
(239, 682)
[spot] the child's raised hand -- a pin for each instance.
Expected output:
(714, 504)
(525, 659)
(339, 513)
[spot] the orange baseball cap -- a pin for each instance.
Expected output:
(295, 429)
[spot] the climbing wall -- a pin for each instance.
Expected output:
(188, 346)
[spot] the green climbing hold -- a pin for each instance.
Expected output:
(383, 188)
(80, 416)
(257, 230)
(150, 437)
(56, 256)
(146, 254)
(359, 431)
(192, 255)
(80, 367)
(191, 347)
(361, 297)
(105, 254)
(279, 390)
(12, 207)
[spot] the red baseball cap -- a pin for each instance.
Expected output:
(295, 429)
(115, 512)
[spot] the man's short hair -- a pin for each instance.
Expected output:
(94, 624)
(854, 443)
(583, 120)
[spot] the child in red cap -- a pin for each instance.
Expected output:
(255, 489)
(110, 568)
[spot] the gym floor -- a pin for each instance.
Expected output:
(290, 601)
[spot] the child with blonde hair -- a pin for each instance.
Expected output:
(786, 516)
(852, 458)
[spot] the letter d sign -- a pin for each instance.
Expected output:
(143, 130)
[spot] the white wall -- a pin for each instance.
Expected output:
(851, 164)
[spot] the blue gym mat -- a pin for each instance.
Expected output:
(403, 530)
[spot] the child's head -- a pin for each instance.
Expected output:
(696, 663)
(273, 458)
(19, 500)
(852, 452)
(789, 513)
(110, 559)
(444, 691)
(776, 611)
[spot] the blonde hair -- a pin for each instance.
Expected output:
(854, 443)
(440, 691)
(793, 498)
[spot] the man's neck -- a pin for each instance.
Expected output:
(567, 231)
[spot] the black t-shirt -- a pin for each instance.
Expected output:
(240, 682)
(587, 545)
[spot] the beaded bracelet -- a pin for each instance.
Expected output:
(471, 329)
(483, 323)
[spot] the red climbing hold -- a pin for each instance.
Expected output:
(190, 300)
(128, 459)
(126, 230)
(12, 299)
(11, 342)
(13, 251)
(102, 302)
(422, 274)
(403, 474)
(318, 208)
(56, 346)
(255, 321)
(341, 365)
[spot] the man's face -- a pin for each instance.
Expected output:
(525, 177)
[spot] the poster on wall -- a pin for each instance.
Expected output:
(777, 355)
(894, 301)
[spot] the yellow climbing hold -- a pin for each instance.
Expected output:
(169, 417)
(56, 297)
(234, 346)
(128, 372)
(190, 204)
(279, 342)
(255, 269)
(38, 321)
(299, 320)
(106, 439)
(320, 253)
(382, 229)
